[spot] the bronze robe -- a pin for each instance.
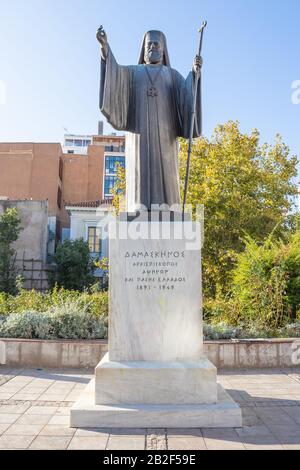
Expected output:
(154, 122)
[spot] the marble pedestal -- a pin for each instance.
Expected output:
(155, 374)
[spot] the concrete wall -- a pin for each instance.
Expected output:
(254, 354)
(32, 242)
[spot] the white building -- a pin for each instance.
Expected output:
(89, 220)
(77, 144)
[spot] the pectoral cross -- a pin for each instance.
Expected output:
(152, 91)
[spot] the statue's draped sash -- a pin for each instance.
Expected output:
(153, 123)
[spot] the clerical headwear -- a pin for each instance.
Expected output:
(156, 36)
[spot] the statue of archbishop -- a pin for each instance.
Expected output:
(153, 103)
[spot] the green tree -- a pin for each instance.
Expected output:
(74, 265)
(245, 187)
(9, 233)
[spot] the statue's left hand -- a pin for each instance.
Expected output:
(198, 61)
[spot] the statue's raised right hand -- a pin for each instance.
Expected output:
(101, 36)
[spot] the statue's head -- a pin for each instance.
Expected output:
(154, 49)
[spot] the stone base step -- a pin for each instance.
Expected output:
(86, 414)
(155, 382)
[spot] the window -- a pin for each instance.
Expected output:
(94, 240)
(111, 163)
(71, 151)
(109, 183)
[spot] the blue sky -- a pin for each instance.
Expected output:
(49, 61)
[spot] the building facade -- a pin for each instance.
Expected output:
(89, 220)
(34, 171)
(44, 172)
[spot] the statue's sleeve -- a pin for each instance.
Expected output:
(115, 88)
(184, 104)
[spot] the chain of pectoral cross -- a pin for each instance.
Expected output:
(152, 90)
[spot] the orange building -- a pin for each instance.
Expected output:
(41, 171)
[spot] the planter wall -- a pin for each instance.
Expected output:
(86, 354)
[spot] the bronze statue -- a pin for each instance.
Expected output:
(154, 104)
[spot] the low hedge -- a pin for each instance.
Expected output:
(69, 321)
(93, 301)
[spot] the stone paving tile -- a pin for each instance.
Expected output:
(126, 443)
(223, 444)
(274, 415)
(222, 438)
(186, 443)
(6, 395)
(88, 443)
(184, 433)
(34, 419)
(24, 429)
(250, 418)
(26, 396)
(283, 431)
(73, 396)
(41, 410)
(270, 401)
(293, 412)
(132, 432)
(57, 430)
(14, 409)
(9, 418)
(262, 443)
(92, 432)
(63, 411)
(55, 395)
(3, 427)
(15, 442)
(50, 443)
(253, 431)
(290, 443)
(60, 419)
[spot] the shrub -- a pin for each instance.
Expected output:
(95, 302)
(27, 325)
(265, 293)
(74, 266)
(9, 233)
(68, 321)
(220, 331)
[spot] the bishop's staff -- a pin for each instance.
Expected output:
(191, 135)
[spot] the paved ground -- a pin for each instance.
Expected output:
(34, 414)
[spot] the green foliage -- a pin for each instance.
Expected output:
(221, 331)
(95, 302)
(9, 233)
(245, 187)
(74, 266)
(266, 285)
(57, 314)
(69, 321)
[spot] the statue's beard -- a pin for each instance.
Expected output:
(153, 57)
